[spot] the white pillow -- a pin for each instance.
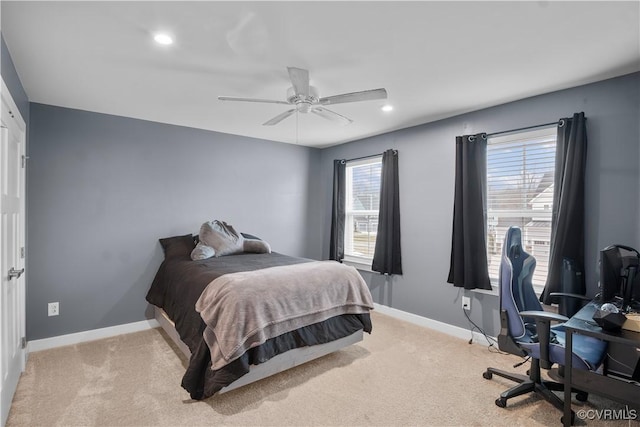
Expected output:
(202, 251)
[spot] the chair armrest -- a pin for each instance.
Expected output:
(565, 294)
(543, 328)
(544, 315)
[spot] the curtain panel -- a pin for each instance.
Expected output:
(567, 223)
(338, 211)
(387, 256)
(468, 267)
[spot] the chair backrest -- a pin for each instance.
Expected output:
(516, 287)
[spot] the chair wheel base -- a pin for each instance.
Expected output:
(487, 375)
(582, 396)
(501, 402)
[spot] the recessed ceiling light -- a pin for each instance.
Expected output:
(161, 38)
(387, 108)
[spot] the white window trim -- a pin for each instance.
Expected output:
(359, 262)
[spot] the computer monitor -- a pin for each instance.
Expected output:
(630, 284)
(610, 280)
(635, 288)
(619, 276)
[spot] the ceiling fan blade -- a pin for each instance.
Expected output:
(331, 115)
(280, 117)
(300, 80)
(365, 95)
(268, 101)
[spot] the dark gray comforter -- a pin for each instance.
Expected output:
(180, 282)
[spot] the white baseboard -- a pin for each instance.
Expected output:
(454, 331)
(94, 334)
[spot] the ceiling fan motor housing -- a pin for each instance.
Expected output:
(303, 103)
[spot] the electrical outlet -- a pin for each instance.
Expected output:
(54, 308)
(466, 303)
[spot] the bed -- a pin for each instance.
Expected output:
(242, 317)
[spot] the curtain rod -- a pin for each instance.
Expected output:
(559, 122)
(367, 157)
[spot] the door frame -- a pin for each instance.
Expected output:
(21, 282)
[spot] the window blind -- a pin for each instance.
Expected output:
(520, 177)
(362, 206)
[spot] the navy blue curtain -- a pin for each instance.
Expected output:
(567, 223)
(387, 256)
(336, 244)
(468, 267)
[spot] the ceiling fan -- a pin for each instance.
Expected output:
(305, 98)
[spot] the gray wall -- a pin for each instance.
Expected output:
(102, 189)
(427, 168)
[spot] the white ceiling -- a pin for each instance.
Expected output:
(436, 59)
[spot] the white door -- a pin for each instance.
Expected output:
(12, 237)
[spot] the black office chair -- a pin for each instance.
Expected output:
(526, 329)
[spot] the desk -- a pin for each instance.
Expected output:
(613, 388)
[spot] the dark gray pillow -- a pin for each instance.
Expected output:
(177, 246)
(256, 246)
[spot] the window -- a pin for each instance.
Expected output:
(362, 205)
(520, 175)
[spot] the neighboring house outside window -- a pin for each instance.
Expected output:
(520, 174)
(362, 207)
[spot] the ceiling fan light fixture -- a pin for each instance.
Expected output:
(163, 39)
(303, 106)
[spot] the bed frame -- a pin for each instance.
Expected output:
(276, 364)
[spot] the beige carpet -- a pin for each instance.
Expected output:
(400, 375)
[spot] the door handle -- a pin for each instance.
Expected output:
(15, 273)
